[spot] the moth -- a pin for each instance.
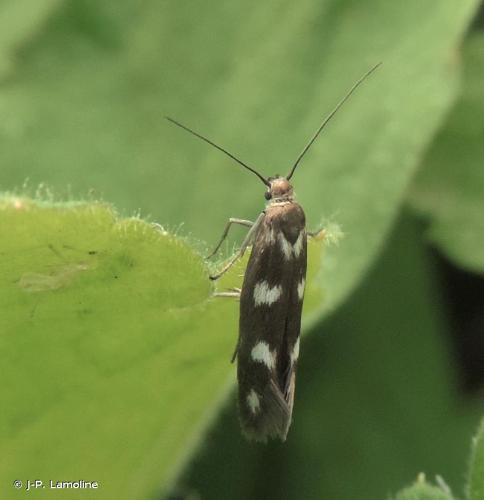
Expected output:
(271, 298)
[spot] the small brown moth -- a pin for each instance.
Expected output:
(271, 300)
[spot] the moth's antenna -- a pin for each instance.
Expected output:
(328, 118)
(265, 181)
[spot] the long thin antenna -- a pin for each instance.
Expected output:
(328, 118)
(265, 181)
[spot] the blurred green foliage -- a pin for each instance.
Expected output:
(83, 89)
(422, 490)
(20, 22)
(449, 190)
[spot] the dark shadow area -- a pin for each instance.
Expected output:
(463, 295)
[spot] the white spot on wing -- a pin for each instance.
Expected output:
(300, 289)
(253, 401)
(295, 352)
(299, 244)
(264, 294)
(287, 249)
(261, 353)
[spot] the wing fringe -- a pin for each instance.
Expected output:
(275, 420)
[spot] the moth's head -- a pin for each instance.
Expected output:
(279, 189)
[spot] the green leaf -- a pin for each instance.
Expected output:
(20, 21)
(449, 189)
(476, 471)
(422, 490)
(87, 109)
(114, 353)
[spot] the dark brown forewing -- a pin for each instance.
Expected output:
(277, 324)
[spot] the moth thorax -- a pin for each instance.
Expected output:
(280, 189)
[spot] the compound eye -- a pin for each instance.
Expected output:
(267, 195)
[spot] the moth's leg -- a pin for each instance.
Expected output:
(319, 234)
(231, 221)
(247, 241)
(234, 355)
(231, 292)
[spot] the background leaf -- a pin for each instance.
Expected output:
(422, 490)
(103, 75)
(91, 337)
(20, 21)
(449, 189)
